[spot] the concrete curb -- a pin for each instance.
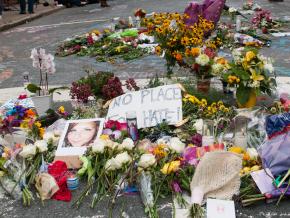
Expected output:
(30, 18)
(8, 93)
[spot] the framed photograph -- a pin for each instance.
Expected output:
(78, 135)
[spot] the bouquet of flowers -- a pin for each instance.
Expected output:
(251, 73)
(263, 20)
(174, 36)
(205, 63)
(108, 165)
(164, 171)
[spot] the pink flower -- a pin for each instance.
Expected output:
(190, 156)
(176, 187)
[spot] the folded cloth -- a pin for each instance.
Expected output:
(217, 176)
(59, 170)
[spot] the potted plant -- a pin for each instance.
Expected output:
(42, 97)
(252, 74)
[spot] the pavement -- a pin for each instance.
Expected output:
(12, 18)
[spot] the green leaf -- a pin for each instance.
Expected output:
(52, 90)
(243, 94)
(33, 88)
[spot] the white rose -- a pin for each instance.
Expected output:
(202, 60)
(99, 146)
(110, 165)
(126, 144)
(110, 144)
(28, 151)
(147, 160)
(176, 145)
(41, 145)
(253, 153)
(198, 125)
(122, 158)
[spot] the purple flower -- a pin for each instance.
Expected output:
(117, 134)
(190, 155)
(176, 187)
(107, 131)
(196, 139)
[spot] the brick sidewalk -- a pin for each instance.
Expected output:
(13, 18)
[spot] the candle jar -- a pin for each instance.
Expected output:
(240, 137)
(131, 120)
(208, 136)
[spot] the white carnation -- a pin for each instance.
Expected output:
(28, 151)
(147, 160)
(202, 60)
(176, 145)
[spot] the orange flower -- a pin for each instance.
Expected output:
(30, 113)
(178, 57)
(246, 157)
(195, 51)
(187, 52)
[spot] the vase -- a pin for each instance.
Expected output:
(251, 101)
(203, 85)
(42, 103)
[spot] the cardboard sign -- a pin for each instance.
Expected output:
(152, 106)
(220, 209)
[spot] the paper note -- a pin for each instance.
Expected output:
(264, 180)
(220, 209)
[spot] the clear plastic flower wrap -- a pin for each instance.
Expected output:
(11, 187)
(145, 183)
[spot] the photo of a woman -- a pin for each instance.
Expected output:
(81, 134)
